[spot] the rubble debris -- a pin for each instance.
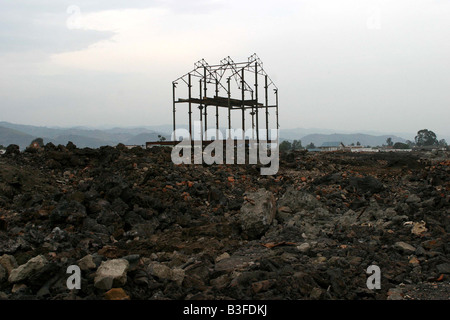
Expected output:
(140, 227)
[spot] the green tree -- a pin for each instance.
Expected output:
(410, 143)
(297, 145)
(400, 145)
(426, 137)
(285, 146)
(389, 142)
(161, 138)
(443, 143)
(310, 146)
(358, 143)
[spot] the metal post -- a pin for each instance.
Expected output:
(190, 106)
(256, 102)
(217, 111)
(252, 113)
(229, 109)
(201, 114)
(243, 107)
(267, 109)
(204, 97)
(276, 104)
(173, 92)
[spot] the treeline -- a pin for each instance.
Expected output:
(423, 138)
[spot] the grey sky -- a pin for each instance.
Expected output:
(351, 65)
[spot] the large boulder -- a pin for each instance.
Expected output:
(111, 273)
(8, 262)
(257, 213)
(164, 272)
(25, 271)
(366, 184)
(298, 200)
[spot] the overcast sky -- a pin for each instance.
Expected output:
(348, 65)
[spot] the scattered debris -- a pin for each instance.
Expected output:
(140, 227)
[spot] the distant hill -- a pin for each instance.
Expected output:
(347, 139)
(82, 137)
(55, 133)
(142, 138)
(297, 133)
(80, 141)
(10, 136)
(22, 135)
(32, 130)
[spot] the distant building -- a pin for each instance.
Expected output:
(332, 146)
(362, 149)
(394, 150)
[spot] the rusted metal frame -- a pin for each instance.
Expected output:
(201, 63)
(219, 79)
(181, 78)
(236, 70)
(235, 74)
(228, 63)
(217, 72)
(194, 72)
(236, 77)
(250, 107)
(221, 102)
(221, 72)
(197, 101)
(212, 73)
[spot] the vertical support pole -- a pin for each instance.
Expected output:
(201, 115)
(243, 106)
(217, 111)
(256, 102)
(276, 104)
(252, 113)
(204, 97)
(267, 109)
(190, 106)
(173, 93)
(229, 109)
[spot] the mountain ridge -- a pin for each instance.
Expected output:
(22, 135)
